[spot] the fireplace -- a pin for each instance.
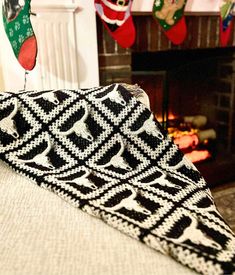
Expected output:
(191, 83)
(196, 78)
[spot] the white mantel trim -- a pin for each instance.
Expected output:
(71, 7)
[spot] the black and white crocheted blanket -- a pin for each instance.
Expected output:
(103, 151)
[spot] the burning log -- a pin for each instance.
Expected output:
(188, 122)
(198, 121)
(198, 155)
(206, 134)
(186, 140)
(195, 142)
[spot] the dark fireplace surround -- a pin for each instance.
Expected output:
(198, 75)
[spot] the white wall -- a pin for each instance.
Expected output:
(67, 48)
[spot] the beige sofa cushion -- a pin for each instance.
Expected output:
(42, 234)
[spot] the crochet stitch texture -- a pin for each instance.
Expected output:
(101, 150)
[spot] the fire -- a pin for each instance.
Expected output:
(184, 139)
(191, 139)
(170, 117)
(187, 141)
(198, 155)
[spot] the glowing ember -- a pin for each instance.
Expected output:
(170, 117)
(198, 155)
(176, 133)
(193, 141)
(187, 141)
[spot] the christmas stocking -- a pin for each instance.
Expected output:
(116, 17)
(170, 15)
(16, 19)
(226, 21)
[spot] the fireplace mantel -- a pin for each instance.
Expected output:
(192, 6)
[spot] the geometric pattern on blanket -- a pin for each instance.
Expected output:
(102, 150)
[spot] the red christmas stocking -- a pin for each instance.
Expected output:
(16, 19)
(170, 15)
(226, 21)
(116, 17)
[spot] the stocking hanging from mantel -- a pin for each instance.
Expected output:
(226, 20)
(170, 15)
(117, 19)
(16, 19)
(103, 151)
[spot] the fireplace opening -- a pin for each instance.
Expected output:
(192, 93)
(195, 79)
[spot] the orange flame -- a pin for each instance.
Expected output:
(187, 141)
(198, 155)
(171, 116)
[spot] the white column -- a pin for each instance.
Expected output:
(87, 44)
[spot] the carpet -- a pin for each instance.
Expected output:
(224, 196)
